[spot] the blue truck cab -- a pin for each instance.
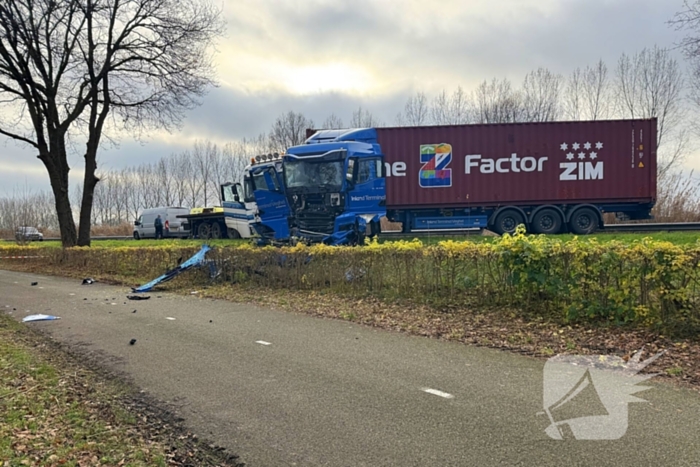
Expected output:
(263, 183)
(332, 190)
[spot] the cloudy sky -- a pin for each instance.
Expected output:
(331, 56)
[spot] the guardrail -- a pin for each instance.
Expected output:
(653, 227)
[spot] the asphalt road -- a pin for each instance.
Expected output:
(283, 389)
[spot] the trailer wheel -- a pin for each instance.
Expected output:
(233, 233)
(547, 221)
(204, 230)
(584, 221)
(508, 221)
(215, 230)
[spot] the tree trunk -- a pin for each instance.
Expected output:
(89, 184)
(58, 175)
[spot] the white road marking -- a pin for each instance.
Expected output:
(262, 343)
(435, 392)
(171, 319)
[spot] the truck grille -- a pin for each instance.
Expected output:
(315, 222)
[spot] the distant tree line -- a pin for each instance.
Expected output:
(647, 84)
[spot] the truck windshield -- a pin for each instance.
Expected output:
(308, 174)
(256, 181)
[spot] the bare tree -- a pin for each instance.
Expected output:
(204, 155)
(497, 102)
(85, 67)
(332, 122)
(597, 99)
(573, 96)
(540, 96)
(363, 118)
(191, 178)
(440, 109)
(166, 181)
(289, 130)
(454, 109)
(415, 112)
(588, 94)
(650, 84)
(180, 176)
(688, 19)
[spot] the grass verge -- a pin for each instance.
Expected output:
(55, 412)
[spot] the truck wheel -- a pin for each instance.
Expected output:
(204, 230)
(584, 221)
(508, 221)
(547, 221)
(137, 236)
(233, 233)
(215, 230)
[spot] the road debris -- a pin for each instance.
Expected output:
(31, 318)
(89, 281)
(34, 283)
(138, 297)
(195, 261)
(132, 341)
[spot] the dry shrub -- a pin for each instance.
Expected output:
(678, 199)
(122, 230)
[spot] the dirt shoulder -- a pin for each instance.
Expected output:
(58, 410)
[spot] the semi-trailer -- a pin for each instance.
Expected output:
(552, 177)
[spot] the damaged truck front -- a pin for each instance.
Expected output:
(332, 190)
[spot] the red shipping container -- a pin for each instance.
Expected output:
(520, 164)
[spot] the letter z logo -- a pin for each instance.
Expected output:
(434, 172)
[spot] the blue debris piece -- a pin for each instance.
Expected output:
(195, 261)
(30, 318)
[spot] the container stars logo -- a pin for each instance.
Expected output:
(581, 151)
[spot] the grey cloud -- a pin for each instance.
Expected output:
(577, 33)
(233, 114)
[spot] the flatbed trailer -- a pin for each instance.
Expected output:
(231, 220)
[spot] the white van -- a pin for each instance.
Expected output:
(172, 226)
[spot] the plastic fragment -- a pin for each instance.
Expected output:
(31, 318)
